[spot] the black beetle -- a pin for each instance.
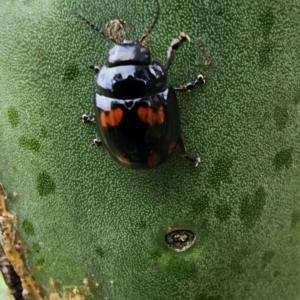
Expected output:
(136, 114)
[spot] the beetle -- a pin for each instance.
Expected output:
(136, 114)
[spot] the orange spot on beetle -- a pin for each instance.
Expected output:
(160, 116)
(153, 159)
(144, 114)
(111, 118)
(103, 118)
(149, 116)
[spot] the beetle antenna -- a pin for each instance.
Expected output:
(82, 18)
(153, 24)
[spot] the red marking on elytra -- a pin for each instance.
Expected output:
(160, 116)
(149, 116)
(111, 118)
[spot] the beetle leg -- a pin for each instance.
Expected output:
(194, 160)
(95, 68)
(175, 44)
(189, 86)
(86, 119)
(96, 142)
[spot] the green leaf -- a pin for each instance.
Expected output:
(91, 223)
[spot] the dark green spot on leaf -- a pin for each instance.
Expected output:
(252, 206)
(267, 21)
(29, 144)
(40, 261)
(28, 227)
(276, 273)
(99, 251)
(281, 117)
(141, 224)
(223, 212)
(11, 197)
(45, 184)
(13, 117)
(283, 159)
(71, 72)
(36, 247)
(295, 219)
(267, 257)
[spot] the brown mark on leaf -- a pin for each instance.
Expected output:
(20, 282)
(206, 60)
(72, 294)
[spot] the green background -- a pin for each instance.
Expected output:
(84, 216)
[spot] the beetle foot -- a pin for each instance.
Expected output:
(189, 86)
(86, 119)
(195, 160)
(96, 142)
(95, 68)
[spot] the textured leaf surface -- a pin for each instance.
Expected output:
(85, 217)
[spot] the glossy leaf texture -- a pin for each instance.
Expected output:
(86, 219)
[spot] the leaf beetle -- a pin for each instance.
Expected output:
(136, 114)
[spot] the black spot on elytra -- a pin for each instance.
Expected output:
(252, 206)
(29, 144)
(13, 117)
(283, 159)
(223, 212)
(281, 117)
(45, 185)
